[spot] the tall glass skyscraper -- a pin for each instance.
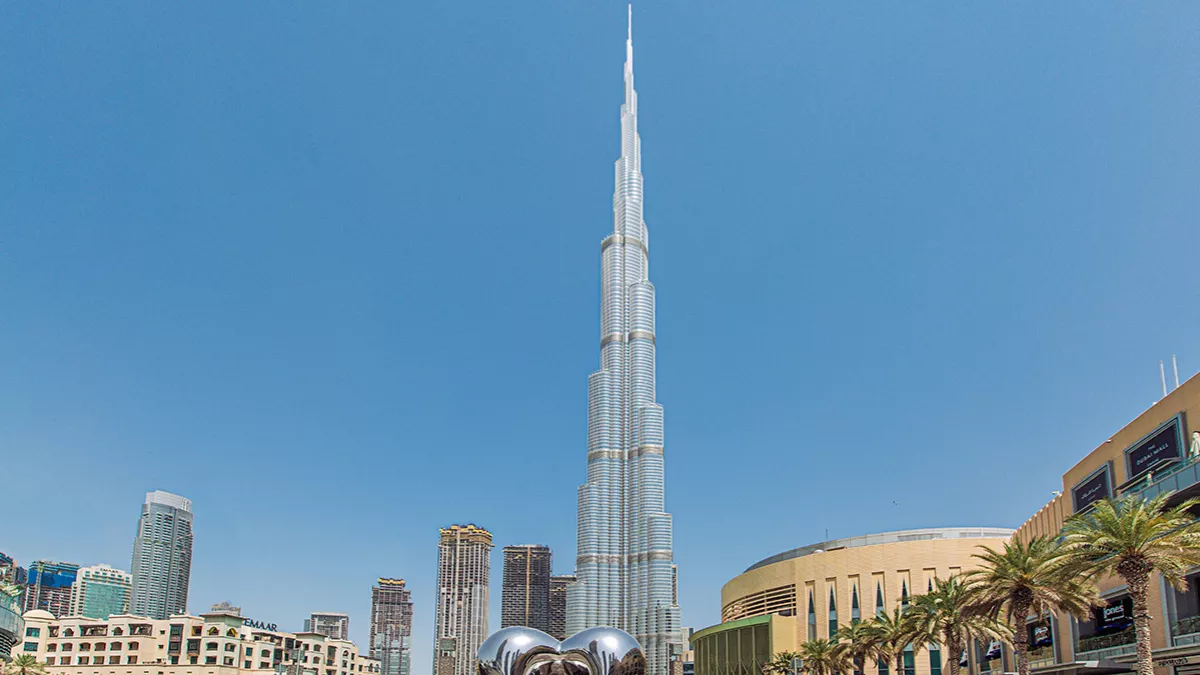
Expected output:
(624, 562)
(162, 556)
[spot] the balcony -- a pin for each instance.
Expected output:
(1186, 632)
(1102, 647)
(1177, 478)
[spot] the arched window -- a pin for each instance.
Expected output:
(232, 632)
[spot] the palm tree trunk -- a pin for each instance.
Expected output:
(1021, 637)
(954, 647)
(1137, 580)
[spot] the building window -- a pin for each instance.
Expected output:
(246, 665)
(193, 660)
(231, 647)
(68, 647)
(85, 646)
(114, 660)
(935, 662)
(115, 647)
(131, 659)
(910, 661)
(211, 647)
(266, 653)
(33, 632)
(68, 633)
(133, 646)
(195, 630)
(903, 594)
(174, 660)
(263, 665)
(49, 660)
(210, 660)
(83, 660)
(51, 647)
(812, 618)
(118, 631)
(879, 609)
(100, 646)
(229, 660)
(30, 647)
(833, 620)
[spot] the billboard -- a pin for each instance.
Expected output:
(1092, 489)
(1165, 444)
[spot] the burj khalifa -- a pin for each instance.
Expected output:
(624, 568)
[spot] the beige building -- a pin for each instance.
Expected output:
(808, 592)
(217, 643)
(461, 622)
(1156, 452)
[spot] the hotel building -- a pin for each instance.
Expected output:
(100, 591)
(217, 643)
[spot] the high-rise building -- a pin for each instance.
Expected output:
(330, 624)
(464, 568)
(162, 556)
(11, 572)
(525, 587)
(100, 591)
(49, 586)
(391, 626)
(558, 605)
(624, 544)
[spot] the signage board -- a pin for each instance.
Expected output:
(1163, 445)
(1116, 615)
(255, 623)
(1040, 635)
(1092, 489)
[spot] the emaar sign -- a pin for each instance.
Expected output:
(255, 623)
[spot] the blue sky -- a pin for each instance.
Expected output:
(332, 271)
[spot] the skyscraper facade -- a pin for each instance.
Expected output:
(49, 586)
(525, 588)
(100, 591)
(625, 554)
(330, 624)
(558, 605)
(162, 556)
(464, 568)
(391, 626)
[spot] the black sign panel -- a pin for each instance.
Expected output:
(1092, 489)
(1116, 615)
(1164, 444)
(1040, 635)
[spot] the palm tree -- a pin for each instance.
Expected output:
(781, 664)
(1134, 538)
(1026, 579)
(25, 664)
(823, 657)
(945, 614)
(858, 641)
(894, 632)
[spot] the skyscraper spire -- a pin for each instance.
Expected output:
(624, 566)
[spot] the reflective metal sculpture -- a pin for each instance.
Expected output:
(527, 651)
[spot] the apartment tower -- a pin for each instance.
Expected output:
(624, 541)
(464, 568)
(162, 556)
(557, 625)
(391, 626)
(100, 591)
(330, 624)
(49, 586)
(525, 589)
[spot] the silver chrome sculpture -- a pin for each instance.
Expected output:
(624, 571)
(527, 651)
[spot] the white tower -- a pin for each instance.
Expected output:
(624, 564)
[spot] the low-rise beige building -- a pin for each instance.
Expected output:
(808, 592)
(217, 643)
(1159, 451)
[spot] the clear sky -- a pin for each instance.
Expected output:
(332, 271)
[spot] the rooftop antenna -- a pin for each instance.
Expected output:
(1163, 374)
(1175, 367)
